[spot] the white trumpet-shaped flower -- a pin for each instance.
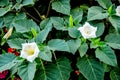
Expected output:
(88, 31)
(118, 11)
(29, 51)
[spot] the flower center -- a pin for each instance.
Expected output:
(29, 50)
(87, 31)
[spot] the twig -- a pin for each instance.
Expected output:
(30, 15)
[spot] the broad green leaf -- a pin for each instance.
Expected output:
(73, 32)
(62, 6)
(100, 27)
(96, 13)
(16, 43)
(106, 55)
(113, 40)
(41, 37)
(58, 45)
(24, 25)
(73, 45)
(105, 3)
(83, 49)
(77, 14)
(59, 71)
(45, 54)
(7, 61)
(90, 68)
(10, 18)
(4, 2)
(115, 74)
(58, 23)
(27, 71)
(27, 2)
(115, 21)
(4, 10)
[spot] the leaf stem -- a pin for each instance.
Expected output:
(54, 55)
(38, 13)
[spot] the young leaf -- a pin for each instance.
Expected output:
(96, 13)
(7, 61)
(59, 71)
(90, 68)
(106, 55)
(62, 6)
(70, 21)
(83, 49)
(27, 71)
(115, 74)
(58, 45)
(105, 3)
(74, 45)
(46, 54)
(34, 32)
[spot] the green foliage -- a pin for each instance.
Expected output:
(28, 70)
(107, 55)
(90, 68)
(7, 61)
(62, 6)
(55, 27)
(96, 13)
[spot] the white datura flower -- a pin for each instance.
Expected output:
(88, 31)
(8, 34)
(118, 11)
(29, 51)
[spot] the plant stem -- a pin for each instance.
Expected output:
(54, 55)
(30, 15)
(38, 13)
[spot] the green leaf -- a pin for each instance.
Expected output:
(34, 32)
(113, 40)
(41, 37)
(58, 23)
(4, 10)
(62, 6)
(16, 43)
(115, 21)
(90, 68)
(73, 32)
(105, 3)
(28, 2)
(106, 55)
(96, 13)
(100, 27)
(73, 45)
(59, 71)
(83, 49)
(10, 18)
(115, 74)
(46, 54)
(24, 25)
(77, 14)
(58, 45)
(4, 2)
(7, 61)
(27, 71)
(70, 21)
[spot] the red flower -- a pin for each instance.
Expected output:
(77, 72)
(3, 74)
(13, 50)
